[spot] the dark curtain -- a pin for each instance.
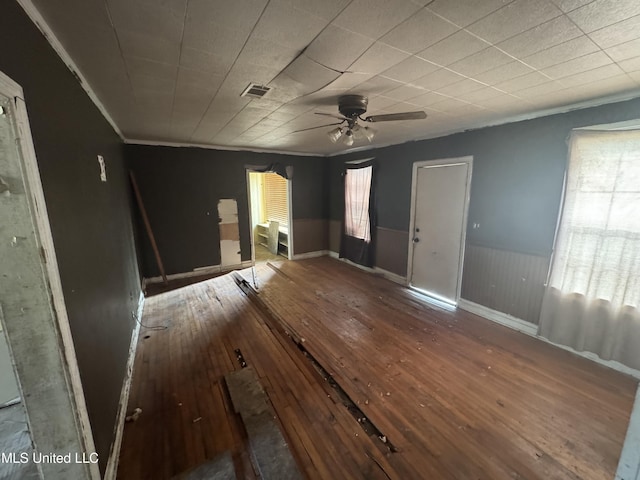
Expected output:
(352, 246)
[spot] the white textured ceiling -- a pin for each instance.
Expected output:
(173, 70)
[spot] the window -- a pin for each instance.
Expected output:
(598, 250)
(593, 297)
(275, 199)
(357, 192)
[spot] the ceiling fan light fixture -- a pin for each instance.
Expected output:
(369, 133)
(358, 132)
(362, 133)
(352, 108)
(348, 138)
(335, 134)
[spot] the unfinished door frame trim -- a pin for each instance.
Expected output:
(290, 214)
(42, 226)
(414, 193)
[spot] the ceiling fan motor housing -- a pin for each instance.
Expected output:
(352, 106)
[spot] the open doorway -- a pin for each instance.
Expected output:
(269, 195)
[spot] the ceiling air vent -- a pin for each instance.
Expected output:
(254, 90)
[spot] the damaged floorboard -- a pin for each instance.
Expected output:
(187, 416)
(269, 449)
(458, 396)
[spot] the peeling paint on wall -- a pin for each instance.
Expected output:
(229, 232)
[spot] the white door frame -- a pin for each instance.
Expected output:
(289, 213)
(71, 385)
(414, 186)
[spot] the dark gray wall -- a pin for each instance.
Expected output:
(91, 223)
(516, 187)
(181, 187)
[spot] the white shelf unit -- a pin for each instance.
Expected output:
(283, 238)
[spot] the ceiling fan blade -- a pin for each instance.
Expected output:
(340, 117)
(397, 116)
(319, 126)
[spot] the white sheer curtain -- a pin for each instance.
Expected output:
(357, 193)
(593, 297)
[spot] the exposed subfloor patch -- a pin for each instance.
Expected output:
(220, 468)
(269, 450)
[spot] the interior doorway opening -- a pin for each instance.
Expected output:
(270, 214)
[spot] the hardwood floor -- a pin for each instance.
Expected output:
(152, 289)
(262, 254)
(456, 395)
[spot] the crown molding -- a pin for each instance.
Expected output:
(160, 143)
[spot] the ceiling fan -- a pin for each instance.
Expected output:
(351, 108)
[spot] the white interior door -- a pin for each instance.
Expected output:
(441, 193)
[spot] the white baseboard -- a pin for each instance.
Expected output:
(394, 277)
(629, 464)
(595, 358)
(532, 330)
(197, 272)
(431, 299)
(303, 256)
(114, 453)
(499, 317)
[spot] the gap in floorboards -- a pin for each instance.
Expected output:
(369, 428)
